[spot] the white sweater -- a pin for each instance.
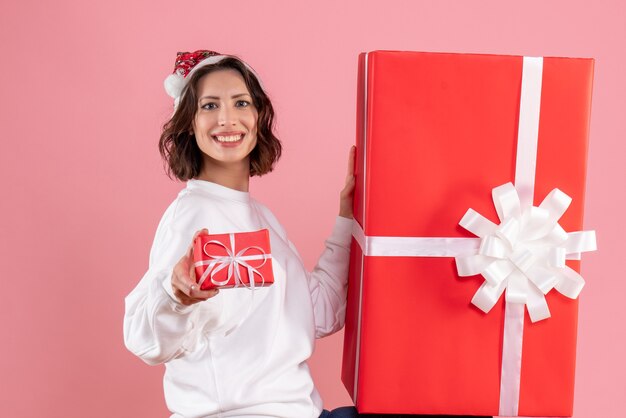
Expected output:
(259, 369)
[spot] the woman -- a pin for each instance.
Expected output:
(228, 353)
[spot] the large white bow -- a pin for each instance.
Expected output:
(526, 253)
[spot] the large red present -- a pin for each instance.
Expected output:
(460, 299)
(233, 260)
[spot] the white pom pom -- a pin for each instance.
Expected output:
(174, 84)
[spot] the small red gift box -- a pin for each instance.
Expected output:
(436, 133)
(233, 260)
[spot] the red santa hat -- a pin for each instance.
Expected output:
(188, 62)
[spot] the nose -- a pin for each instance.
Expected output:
(226, 116)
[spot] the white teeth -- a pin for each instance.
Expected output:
(230, 138)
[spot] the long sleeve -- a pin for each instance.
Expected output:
(257, 340)
(157, 327)
(328, 282)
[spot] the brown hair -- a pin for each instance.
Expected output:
(181, 155)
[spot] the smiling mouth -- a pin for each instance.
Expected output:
(228, 139)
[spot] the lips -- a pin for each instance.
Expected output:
(228, 138)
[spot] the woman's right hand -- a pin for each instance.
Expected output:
(184, 283)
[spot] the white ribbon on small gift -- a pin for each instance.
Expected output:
(525, 254)
(232, 261)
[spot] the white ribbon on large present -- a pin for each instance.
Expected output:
(525, 254)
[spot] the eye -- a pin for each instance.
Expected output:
(242, 103)
(209, 106)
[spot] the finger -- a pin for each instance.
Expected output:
(205, 294)
(183, 298)
(348, 188)
(351, 158)
(195, 290)
(192, 281)
(191, 290)
(181, 279)
(186, 300)
(197, 294)
(202, 231)
(179, 272)
(186, 270)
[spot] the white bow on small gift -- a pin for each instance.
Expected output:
(232, 261)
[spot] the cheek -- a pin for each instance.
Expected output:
(196, 126)
(202, 122)
(254, 119)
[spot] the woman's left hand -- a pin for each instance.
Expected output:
(347, 194)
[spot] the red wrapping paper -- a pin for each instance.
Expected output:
(441, 132)
(247, 245)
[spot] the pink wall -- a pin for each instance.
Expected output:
(83, 188)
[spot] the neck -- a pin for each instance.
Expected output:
(232, 175)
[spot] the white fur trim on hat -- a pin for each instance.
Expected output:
(175, 83)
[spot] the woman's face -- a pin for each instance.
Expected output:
(225, 125)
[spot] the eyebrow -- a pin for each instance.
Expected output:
(232, 97)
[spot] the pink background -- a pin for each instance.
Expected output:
(83, 187)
